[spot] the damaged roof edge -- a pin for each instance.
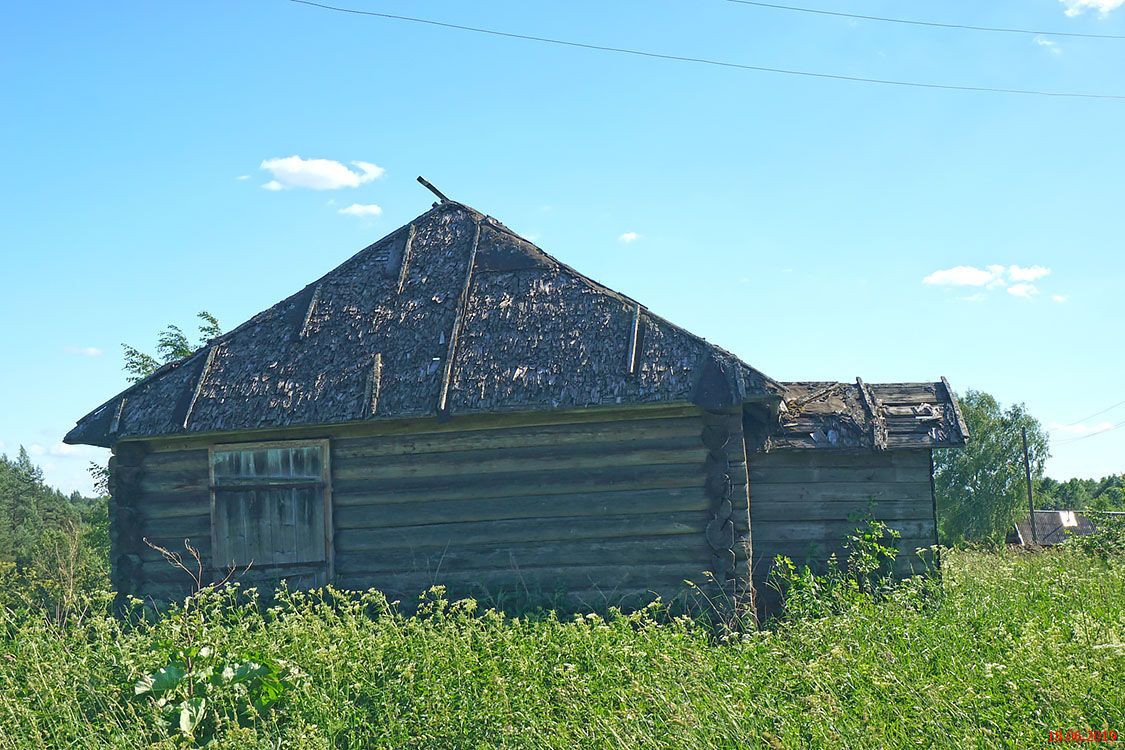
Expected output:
(875, 416)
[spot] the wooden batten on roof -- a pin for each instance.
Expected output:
(452, 314)
(869, 416)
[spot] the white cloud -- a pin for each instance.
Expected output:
(964, 276)
(85, 351)
(629, 237)
(62, 449)
(318, 174)
(1015, 278)
(360, 209)
(1050, 46)
(1030, 273)
(36, 449)
(243, 177)
(1080, 429)
(1060, 297)
(1027, 291)
(1078, 7)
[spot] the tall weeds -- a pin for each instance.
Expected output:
(1006, 646)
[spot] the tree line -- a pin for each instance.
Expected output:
(982, 488)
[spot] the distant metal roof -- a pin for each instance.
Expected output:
(1054, 526)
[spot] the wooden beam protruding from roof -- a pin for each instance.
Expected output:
(878, 421)
(455, 333)
(374, 383)
(199, 384)
(964, 428)
(405, 258)
(635, 330)
(309, 312)
(429, 186)
(115, 423)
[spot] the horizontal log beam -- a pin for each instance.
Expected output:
(152, 506)
(559, 482)
(537, 530)
(389, 515)
(837, 474)
(820, 458)
(688, 548)
(527, 437)
(818, 551)
(831, 531)
(762, 493)
(533, 581)
(195, 526)
(840, 510)
(537, 458)
(429, 425)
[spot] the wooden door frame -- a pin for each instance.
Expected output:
(325, 446)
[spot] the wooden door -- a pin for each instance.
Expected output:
(271, 511)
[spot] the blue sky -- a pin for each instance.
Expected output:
(819, 229)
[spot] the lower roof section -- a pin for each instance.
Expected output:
(873, 416)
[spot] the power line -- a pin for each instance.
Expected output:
(997, 29)
(1097, 413)
(1093, 434)
(706, 61)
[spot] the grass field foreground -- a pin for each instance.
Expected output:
(1010, 645)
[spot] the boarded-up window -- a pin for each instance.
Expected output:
(272, 511)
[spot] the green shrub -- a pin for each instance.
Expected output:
(1107, 540)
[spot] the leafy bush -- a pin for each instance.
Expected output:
(867, 575)
(1107, 540)
(200, 694)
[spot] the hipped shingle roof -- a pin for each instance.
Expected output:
(452, 314)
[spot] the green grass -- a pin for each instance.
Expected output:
(1011, 645)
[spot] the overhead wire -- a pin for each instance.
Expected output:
(913, 22)
(707, 61)
(1092, 434)
(1097, 413)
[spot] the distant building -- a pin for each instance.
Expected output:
(1051, 527)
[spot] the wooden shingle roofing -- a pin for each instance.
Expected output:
(451, 314)
(869, 416)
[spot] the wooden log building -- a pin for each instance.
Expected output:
(454, 406)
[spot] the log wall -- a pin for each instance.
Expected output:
(801, 500)
(584, 514)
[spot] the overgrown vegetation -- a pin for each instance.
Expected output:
(981, 487)
(868, 573)
(55, 546)
(1002, 648)
(999, 649)
(171, 344)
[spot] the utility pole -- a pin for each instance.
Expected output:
(1030, 499)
